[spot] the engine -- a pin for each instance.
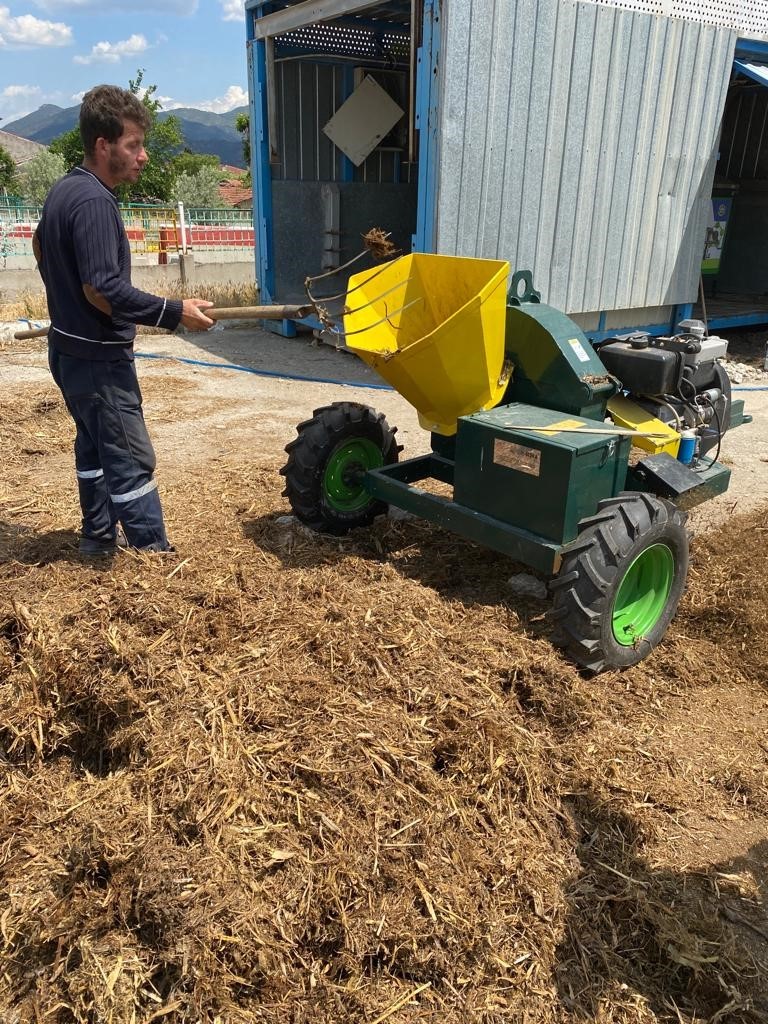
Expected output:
(677, 379)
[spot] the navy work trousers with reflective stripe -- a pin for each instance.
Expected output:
(114, 458)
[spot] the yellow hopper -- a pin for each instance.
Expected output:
(433, 327)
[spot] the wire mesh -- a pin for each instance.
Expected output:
(153, 231)
(17, 226)
(224, 230)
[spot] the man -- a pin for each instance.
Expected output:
(85, 262)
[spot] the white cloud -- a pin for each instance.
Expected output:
(18, 100)
(27, 31)
(235, 96)
(111, 53)
(159, 6)
(12, 91)
(233, 10)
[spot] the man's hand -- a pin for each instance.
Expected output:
(193, 317)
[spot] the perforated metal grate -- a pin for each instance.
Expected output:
(748, 17)
(754, 20)
(345, 41)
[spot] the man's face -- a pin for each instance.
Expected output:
(127, 156)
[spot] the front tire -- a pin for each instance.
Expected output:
(621, 582)
(327, 462)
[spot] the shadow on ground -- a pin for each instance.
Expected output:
(689, 943)
(456, 569)
(31, 547)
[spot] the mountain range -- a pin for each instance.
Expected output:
(204, 131)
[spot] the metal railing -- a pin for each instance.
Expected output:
(153, 231)
(223, 230)
(150, 229)
(17, 226)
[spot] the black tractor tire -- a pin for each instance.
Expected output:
(331, 431)
(596, 565)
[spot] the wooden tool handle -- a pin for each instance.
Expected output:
(260, 313)
(37, 332)
(225, 313)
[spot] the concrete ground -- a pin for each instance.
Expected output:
(227, 408)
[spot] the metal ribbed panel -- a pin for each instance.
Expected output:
(579, 140)
(308, 94)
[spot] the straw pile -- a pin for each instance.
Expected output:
(285, 778)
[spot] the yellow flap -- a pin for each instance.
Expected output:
(626, 413)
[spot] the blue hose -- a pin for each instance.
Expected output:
(267, 373)
(323, 380)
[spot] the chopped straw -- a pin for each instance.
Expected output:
(290, 778)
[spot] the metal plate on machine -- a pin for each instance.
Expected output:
(362, 121)
(517, 456)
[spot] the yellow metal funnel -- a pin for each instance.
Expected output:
(433, 327)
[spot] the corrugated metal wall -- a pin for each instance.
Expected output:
(308, 94)
(579, 140)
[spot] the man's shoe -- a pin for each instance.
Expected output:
(94, 547)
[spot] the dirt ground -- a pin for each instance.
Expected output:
(231, 409)
(277, 777)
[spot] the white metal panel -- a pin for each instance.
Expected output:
(754, 19)
(298, 15)
(747, 17)
(578, 139)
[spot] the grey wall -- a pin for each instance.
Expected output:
(153, 279)
(302, 212)
(308, 95)
(579, 140)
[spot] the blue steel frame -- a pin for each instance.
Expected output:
(681, 312)
(260, 168)
(427, 105)
(753, 49)
(427, 95)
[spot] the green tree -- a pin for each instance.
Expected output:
(243, 126)
(190, 163)
(163, 141)
(38, 175)
(7, 170)
(69, 147)
(200, 189)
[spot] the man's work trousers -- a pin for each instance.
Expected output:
(114, 458)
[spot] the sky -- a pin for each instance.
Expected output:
(53, 51)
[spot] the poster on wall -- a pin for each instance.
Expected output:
(713, 244)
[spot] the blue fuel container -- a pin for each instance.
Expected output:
(687, 447)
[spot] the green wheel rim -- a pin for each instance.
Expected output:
(643, 594)
(343, 487)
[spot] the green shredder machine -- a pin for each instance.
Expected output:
(578, 460)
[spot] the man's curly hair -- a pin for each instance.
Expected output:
(103, 114)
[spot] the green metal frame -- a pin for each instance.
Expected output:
(394, 485)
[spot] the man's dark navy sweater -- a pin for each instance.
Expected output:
(83, 245)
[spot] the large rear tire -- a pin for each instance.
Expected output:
(621, 581)
(327, 462)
